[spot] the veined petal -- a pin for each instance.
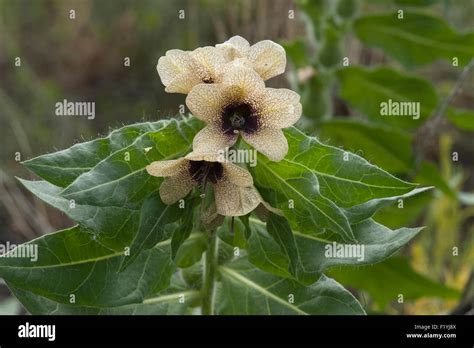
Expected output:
(226, 195)
(173, 188)
(268, 59)
(207, 63)
(243, 82)
(233, 200)
(205, 102)
(235, 47)
(237, 175)
(249, 200)
(183, 83)
(279, 108)
(175, 62)
(167, 168)
(211, 139)
(269, 141)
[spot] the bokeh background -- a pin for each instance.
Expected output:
(82, 59)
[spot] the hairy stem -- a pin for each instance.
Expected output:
(210, 266)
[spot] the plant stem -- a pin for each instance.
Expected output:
(210, 265)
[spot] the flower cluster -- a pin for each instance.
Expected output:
(225, 88)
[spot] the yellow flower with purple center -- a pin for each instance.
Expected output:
(241, 104)
(233, 187)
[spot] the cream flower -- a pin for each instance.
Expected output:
(266, 57)
(181, 70)
(242, 105)
(233, 186)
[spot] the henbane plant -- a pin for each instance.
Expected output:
(165, 224)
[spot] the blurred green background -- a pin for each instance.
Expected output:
(408, 58)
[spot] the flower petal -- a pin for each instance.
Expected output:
(173, 188)
(183, 83)
(203, 156)
(279, 108)
(207, 63)
(205, 102)
(269, 141)
(167, 168)
(211, 139)
(233, 200)
(226, 195)
(241, 82)
(237, 175)
(175, 62)
(235, 47)
(268, 59)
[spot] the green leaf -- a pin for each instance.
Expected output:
(316, 254)
(386, 147)
(368, 90)
(366, 210)
(165, 303)
(155, 217)
(345, 178)
(296, 52)
(72, 262)
(191, 250)
(247, 290)
(280, 230)
(318, 178)
(429, 174)
(182, 232)
(294, 183)
(398, 278)
(121, 179)
(394, 217)
(461, 118)
(416, 39)
(113, 227)
(63, 167)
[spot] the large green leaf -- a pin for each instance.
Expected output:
(280, 230)
(155, 216)
(416, 39)
(121, 179)
(297, 191)
(394, 217)
(318, 178)
(378, 241)
(398, 279)
(244, 289)
(72, 262)
(165, 303)
(366, 90)
(345, 178)
(113, 227)
(63, 167)
(386, 147)
(366, 210)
